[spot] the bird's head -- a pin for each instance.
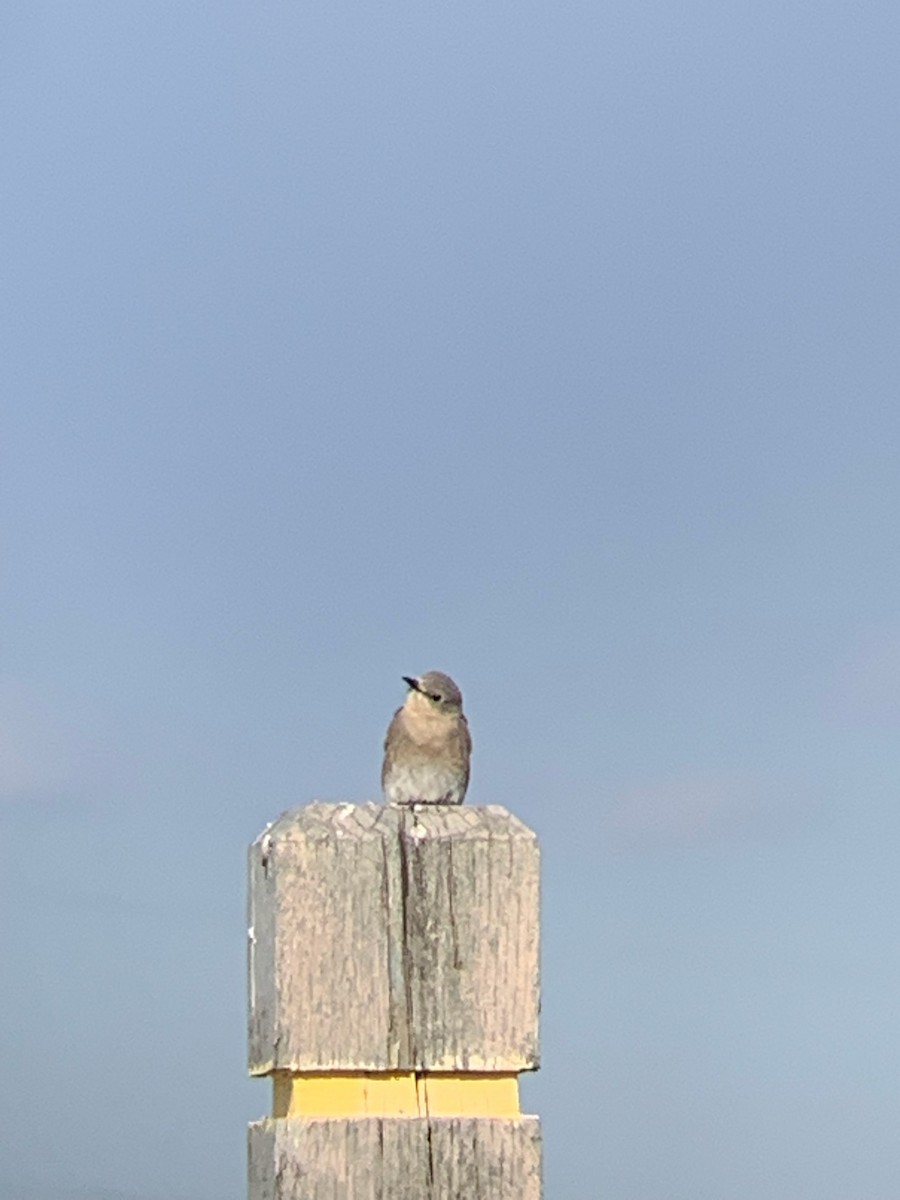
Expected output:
(437, 690)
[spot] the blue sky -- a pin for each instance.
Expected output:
(553, 346)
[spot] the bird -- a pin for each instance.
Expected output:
(428, 744)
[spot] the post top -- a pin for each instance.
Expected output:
(323, 819)
(388, 939)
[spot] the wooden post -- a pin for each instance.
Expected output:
(394, 998)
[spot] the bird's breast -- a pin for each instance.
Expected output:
(430, 731)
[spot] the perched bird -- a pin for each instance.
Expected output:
(427, 748)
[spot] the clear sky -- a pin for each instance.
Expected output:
(552, 345)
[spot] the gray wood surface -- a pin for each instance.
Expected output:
(402, 1158)
(394, 939)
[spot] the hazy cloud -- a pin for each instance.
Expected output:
(701, 808)
(36, 754)
(866, 691)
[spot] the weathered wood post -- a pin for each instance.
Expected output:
(394, 998)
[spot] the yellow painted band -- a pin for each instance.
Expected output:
(394, 1094)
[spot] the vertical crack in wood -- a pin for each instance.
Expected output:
(407, 958)
(380, 1157)
(430, 1144)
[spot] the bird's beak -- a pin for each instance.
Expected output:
(413, 683)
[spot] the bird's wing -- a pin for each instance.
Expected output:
(392, 735)
(467, 744)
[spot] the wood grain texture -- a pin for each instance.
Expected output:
(325, 919)
(397, 1159)
(471, 889)
(394, 939)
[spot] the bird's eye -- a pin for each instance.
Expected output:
(436, 697)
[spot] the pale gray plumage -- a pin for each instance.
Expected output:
(428, 746)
